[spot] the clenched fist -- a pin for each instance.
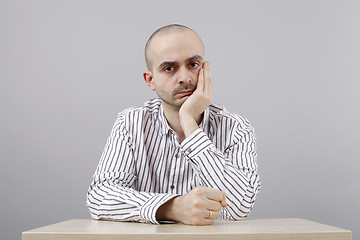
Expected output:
(201, 206)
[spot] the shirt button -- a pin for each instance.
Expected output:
(172, 187)
(177, 155)
(188, 150)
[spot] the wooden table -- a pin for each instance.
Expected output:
(250, 229)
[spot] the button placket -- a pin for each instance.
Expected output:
(174, 163)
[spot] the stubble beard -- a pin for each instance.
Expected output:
(177, 103)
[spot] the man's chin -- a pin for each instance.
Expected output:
(185, 97)
(180, 101)
(177, 103)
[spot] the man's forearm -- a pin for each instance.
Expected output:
(167, 211)
(224, 172)
(191, 112)
(113, 202)
(189, 124)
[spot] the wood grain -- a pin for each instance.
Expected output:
(249, 229)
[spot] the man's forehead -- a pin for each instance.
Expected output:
(177, 47)
(182, 58)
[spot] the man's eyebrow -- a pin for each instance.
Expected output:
(196, 57)
(166, 63)
(172, 63)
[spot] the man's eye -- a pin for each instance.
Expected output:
(168, 69)
(194, 65)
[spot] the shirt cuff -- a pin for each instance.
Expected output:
(196, 143)
(149, 209)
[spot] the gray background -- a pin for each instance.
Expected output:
(290, 67)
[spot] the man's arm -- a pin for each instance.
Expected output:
(111, 195)
(202, 205)
(193, 108)
(235, 172)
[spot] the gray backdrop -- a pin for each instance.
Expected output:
(290, 67)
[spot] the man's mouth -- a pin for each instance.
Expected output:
(184, 90)
(185, 93)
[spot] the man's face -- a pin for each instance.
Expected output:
(176, 59)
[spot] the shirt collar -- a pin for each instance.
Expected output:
(164, 127)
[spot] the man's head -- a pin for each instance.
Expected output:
(165, 30)
(174, 55)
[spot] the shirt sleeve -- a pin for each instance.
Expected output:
(233, 171)
(112, 194)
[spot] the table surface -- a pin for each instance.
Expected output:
(253, 229)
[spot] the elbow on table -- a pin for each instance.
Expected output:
(93, 205)
(240, 208)
(237, 214)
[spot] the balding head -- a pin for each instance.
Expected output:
(163, 31)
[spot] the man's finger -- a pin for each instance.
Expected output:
(213, 194)
(205, 69)
(212, 215)
(223, 202)
(200, 84)
(207, 77)
(216, 195)
(213, 205)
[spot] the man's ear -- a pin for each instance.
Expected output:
(148, 77)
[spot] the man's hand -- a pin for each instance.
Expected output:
(201, 206)
(191, 111)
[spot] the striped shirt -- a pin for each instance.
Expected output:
(143, 164)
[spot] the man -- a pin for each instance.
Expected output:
(179, 157)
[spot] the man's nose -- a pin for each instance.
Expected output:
(184, 76)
